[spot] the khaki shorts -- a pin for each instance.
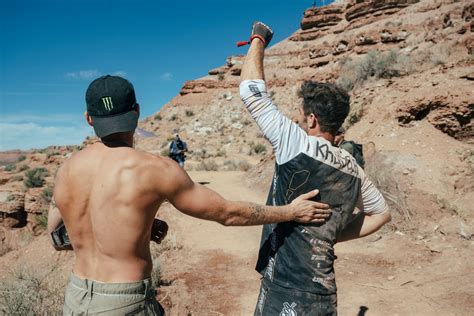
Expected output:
(87, 297)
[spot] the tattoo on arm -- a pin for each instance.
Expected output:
(257, 212)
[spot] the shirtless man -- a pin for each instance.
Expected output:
(108, 194)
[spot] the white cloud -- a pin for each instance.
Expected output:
(167, 76)
(92, 74)
(33, 135)
(84, 74)
(120, 73)
(41, 119)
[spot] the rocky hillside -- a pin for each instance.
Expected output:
(409, 67)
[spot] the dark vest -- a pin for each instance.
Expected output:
(301, 256)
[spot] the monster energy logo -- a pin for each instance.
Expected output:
(108, 103)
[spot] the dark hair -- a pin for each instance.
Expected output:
(327, 101)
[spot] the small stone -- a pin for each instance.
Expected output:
(406, 172)
(391, 278)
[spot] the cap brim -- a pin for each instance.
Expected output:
(106, 125)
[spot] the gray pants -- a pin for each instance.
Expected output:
(276, 300)
(87, 297)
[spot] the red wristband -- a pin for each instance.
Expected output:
(260, 37)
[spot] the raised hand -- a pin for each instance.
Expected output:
(261, 31)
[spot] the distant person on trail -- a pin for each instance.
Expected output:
(297, 260)
(356, 150)
(177, 150)
(106, 198)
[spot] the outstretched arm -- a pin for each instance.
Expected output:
(198, 201)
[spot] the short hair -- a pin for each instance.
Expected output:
(327, 101)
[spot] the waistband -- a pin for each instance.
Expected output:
(139, 287)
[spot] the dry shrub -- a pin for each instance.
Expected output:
(375, 64)
(232, 165)
(440, 54)
(170, 243)
(257, 148)
(207, 165)
(28, 292)
(355, 114)
(382, 173)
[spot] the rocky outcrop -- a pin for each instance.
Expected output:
(366, 39)
(356, 9)
(322, 17)
(468, 12)
(218, 71)
(34, 203)
(341, 47)
(451, 116)
(12, 210)
(203, 85)
(389, 36)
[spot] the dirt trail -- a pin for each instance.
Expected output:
(217, 258)
(388, 273)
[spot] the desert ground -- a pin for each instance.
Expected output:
(205, 268)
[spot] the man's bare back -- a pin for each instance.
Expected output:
(108, 203)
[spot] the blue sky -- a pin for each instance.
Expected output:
(51, 50)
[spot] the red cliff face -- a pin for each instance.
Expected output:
(357, 9)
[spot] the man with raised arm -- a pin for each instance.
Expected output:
(107, 196)
(297, 260)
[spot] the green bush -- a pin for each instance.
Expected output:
(10, 167)
(42, 220)
(24, 167)
(173, 117)
(158, 117)
(21, 158)
(374, 64)
(259, 149)
(47, 193)
(35, 177)
(165, 152)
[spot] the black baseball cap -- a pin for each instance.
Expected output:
(112, 105)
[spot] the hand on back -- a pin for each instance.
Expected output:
(307, 211)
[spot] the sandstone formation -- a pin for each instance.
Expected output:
(357, 9)
(322, 17)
